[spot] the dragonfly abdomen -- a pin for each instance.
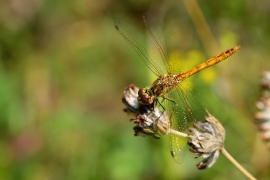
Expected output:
(210, 62)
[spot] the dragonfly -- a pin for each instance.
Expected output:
(170, 83)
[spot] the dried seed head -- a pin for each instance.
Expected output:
(130, 99)
(149, 119)
(265, 80)
(206, 140)
(263, 104)
(154, 124)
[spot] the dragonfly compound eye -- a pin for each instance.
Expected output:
(144, 96)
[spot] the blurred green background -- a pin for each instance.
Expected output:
(63, 69)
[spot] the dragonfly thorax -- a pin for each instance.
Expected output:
(164, 84)
(160, 87)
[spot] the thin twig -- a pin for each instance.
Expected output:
(236, 164)
(172, 131)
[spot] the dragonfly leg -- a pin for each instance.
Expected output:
(155, 106)
(173, 107)
(163, 129)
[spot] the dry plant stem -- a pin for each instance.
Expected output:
(201, 26)
(172, 131)
(236, 164)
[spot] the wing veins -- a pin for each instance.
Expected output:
(135, 38)
(157, 36)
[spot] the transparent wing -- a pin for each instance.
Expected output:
(159, 45)
(143, 46)
(178, 144)
(187, 110)
(177, 63)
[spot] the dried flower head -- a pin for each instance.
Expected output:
(207, 140)
(155, 124)
(130, 100)
(263, 104)
(265, 80)
(149, 119)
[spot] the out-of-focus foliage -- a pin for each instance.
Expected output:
(63, 68)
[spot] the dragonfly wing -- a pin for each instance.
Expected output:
(178, 144)
(141, 44)
(187, 110)
(158, 39)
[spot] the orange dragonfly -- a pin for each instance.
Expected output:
(170, 81)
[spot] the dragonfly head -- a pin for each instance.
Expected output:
(145, 96)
